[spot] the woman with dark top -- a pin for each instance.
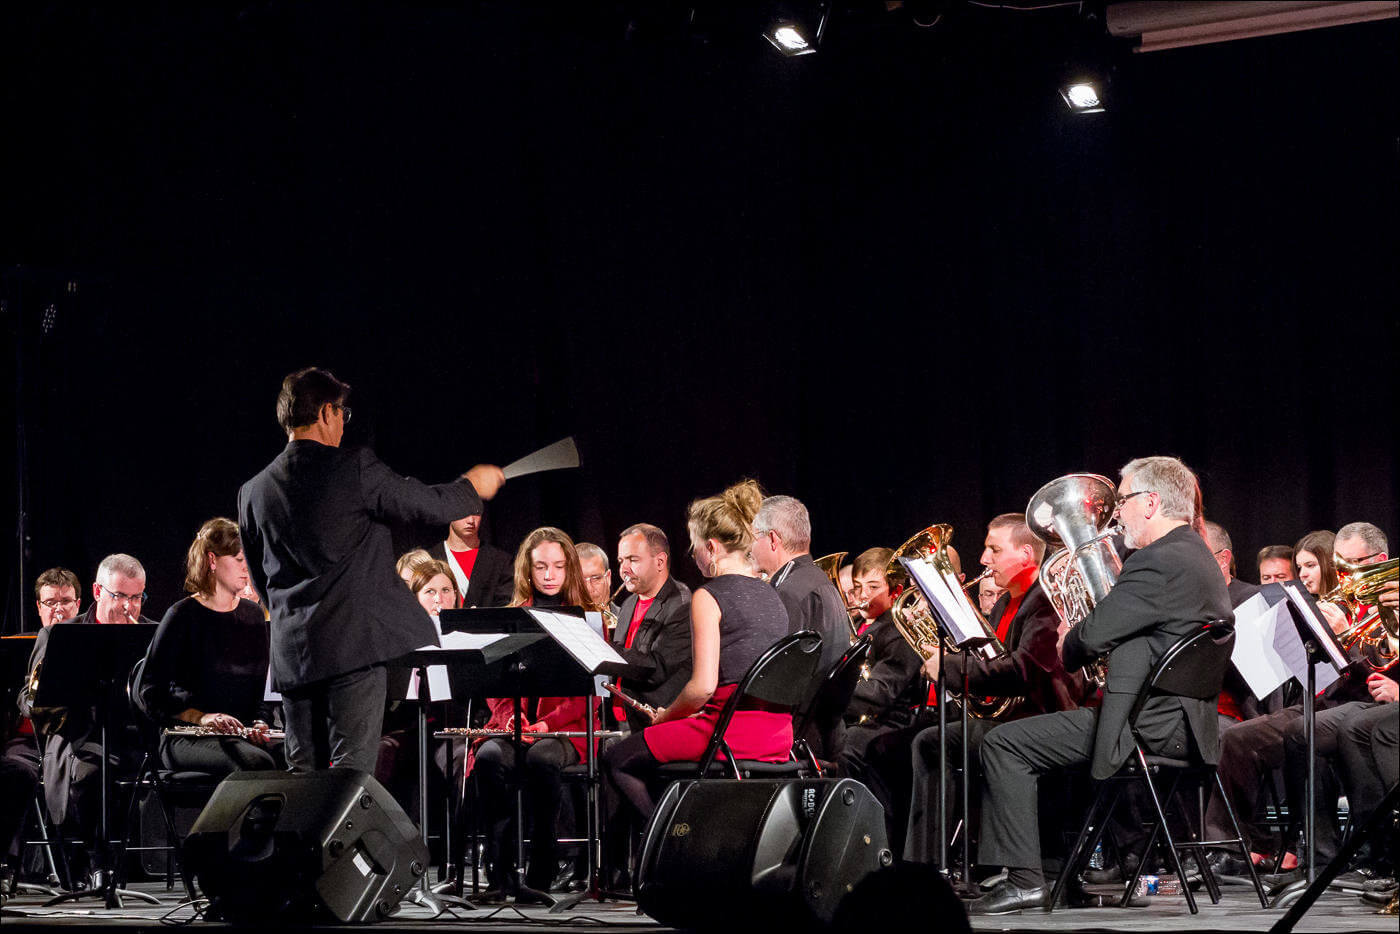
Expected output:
(734, 619)
(547, 574)
(207, 665)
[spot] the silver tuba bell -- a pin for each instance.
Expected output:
(1074, 513)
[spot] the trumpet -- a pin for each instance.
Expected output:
(1372, 624)
(916, 623)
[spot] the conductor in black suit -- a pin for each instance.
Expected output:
(1168, 588)
(315, 529)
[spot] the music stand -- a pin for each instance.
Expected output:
(1322, 646)
(541, 653)
(83, 663)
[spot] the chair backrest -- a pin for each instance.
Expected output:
(1194, 667)
(839, 685)
(780, 676)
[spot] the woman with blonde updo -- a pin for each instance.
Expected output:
(734, 618)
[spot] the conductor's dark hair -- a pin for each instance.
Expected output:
(304, 392)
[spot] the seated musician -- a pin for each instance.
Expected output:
(734, 618)
(72, 763)
(207, 665)
(547, 574)
(1029, 671)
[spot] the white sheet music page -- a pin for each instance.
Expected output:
(1322, 630)
(941, 600)
(577, 637)
(1267, 648)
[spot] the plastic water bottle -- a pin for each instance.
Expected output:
(1096, 859)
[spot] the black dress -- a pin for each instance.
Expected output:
(214, 662)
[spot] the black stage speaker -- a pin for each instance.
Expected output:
(752, 852)
(311, 846)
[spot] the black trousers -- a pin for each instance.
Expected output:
(921, 826)
(492, 772)
(1249, 752)
(1368, 759)
(214, 755)
(1327, 729)
(337, 721)
(18, 782)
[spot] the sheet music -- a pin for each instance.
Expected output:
(577, 637)
(942, 602)
(1321, 629)
(1267, 647)
(439, 688)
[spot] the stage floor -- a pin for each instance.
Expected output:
(1238, 911)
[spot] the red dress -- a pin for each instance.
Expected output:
(752, 618)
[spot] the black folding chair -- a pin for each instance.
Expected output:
(1192, 668)
(823, 718)
(780, 677)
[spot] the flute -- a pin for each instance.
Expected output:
(243, 732)
(632, 702)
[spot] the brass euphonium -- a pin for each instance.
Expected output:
(916, 623)
(1372, 625)
(1074, 513)
(831, 566)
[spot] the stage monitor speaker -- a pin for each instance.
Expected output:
(753, 852)
(310, 846)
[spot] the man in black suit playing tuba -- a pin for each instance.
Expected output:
(1168, 588)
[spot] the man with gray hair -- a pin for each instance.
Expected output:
(782, 541)
(1222, 550)
(597, 576)
(72, 738)
(1134, 625)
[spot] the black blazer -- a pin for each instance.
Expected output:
(493, 575)
(662, 642)
(315, 527)
(894, 686)
(814, 603)
(1031, 667)
(1165, 591)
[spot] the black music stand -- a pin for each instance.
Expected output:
(1322, 646)
(537, 659)
(84, 665)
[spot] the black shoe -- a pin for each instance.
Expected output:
(1226, 866)
(1110, 874)
(1006, 898)
(1278, 881)
(1380, 897)
(1380, 884)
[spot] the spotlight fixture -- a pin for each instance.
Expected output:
(792, 32)
(1082, 97)
(788, 39)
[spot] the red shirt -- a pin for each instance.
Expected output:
(1021, 582)
(638, 614)
(466, 560)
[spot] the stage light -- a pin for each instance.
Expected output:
(1082, 97)
(787, 38)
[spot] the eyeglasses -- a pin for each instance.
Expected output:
(1124, 499)
(1363, 559)
(58, 602)
(595, 578)
(126, 597)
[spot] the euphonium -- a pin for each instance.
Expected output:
(831, 567)
(1373, 625)
(1074, 513)
(916, 623)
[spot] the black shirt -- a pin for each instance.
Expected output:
(752, 618)
(214, 662)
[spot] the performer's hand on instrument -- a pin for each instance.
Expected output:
(486, 479)
(1382, 688)
(659, 716)
(931, 665)
(1334, 615)
(220, 723)
(538, 726)
(258, 732)
(1390, 595)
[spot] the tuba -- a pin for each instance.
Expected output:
(1372, 625)
(1073, 513)
(831, 566)
(916, 623)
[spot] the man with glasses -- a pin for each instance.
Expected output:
(316, 529)
(72, 762)
(1168, 588)
(597, 576)
(782, 543)
(485, 575)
